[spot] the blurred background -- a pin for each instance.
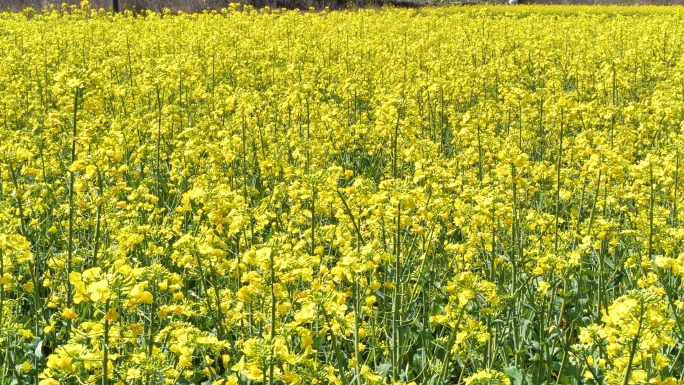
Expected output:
(201, 5)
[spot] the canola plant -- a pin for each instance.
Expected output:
(385, 196)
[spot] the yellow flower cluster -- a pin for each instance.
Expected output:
(435, 196)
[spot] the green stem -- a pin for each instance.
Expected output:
(105, 346)
(650, 213)
(357, 309)
(514, 269)
(2, 288)
(397, 300)
(632, 351)
(676, 185)
(338, 354)
(273, 317)
(150, 343)
(450, 345)
(98, 216)
(70, 247)
(558, 178)
(394, 149)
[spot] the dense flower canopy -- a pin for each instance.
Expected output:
(433, 196)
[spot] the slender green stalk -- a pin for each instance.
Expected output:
(70, 246)
(273, 317)
(480, 172)
(351, 216)
(220, 327)
(357, 310)
(150, 342)
(336, 348)
(558, 180)
(98, 218)
(396, 304)
(635, 344)
(515, 253)
(395, 140)
(447, 353)
(593, 206)
(2, 287)
(244, 159)
(313, 220)
(105, 346)
(159, 126)
(203, 281)
(650, 211)
(675, 213)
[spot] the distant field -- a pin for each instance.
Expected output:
(436, 196)
(188, 6)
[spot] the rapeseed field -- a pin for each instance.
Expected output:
(382, 196)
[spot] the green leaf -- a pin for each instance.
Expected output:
(514, 374)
